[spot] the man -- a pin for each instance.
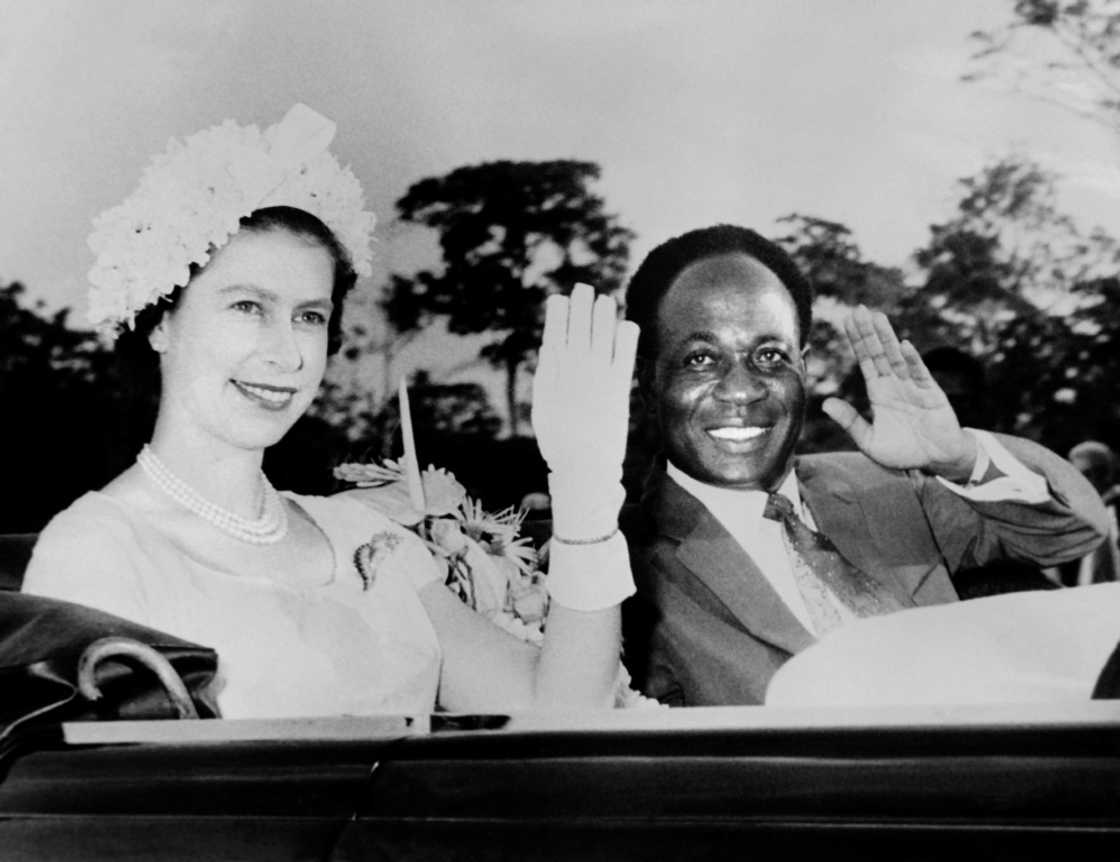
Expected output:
(962, 378)
(1097, 462)
(732, 579)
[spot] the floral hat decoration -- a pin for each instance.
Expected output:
(191, 198)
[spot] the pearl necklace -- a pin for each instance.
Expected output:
(270, 527)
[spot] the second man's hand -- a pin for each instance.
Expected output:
(913, 425)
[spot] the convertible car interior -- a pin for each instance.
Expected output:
(83, 779)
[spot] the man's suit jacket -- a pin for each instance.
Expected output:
(706, 626)
(1101, 565)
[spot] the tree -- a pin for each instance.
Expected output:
(1008, 252)
(1012, 279)
(38, 346)
(510, 233)
(1092, 364)
(1065, 53)
(61, 399)
(1062, 374)
(1054, 368)
(827, 252)
(1007, 277)
(451, 409)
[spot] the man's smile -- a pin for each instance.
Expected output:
(738, 433)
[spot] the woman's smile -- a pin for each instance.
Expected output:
(276, 398)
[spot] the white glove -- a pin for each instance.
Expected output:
(581, 406)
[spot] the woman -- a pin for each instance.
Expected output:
(229, 264)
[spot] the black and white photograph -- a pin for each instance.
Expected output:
(555, 429)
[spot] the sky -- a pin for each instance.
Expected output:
(697, 111)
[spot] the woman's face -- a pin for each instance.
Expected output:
(245, 348)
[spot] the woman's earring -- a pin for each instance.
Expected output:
(158, 340)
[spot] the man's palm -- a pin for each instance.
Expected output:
(913, 425)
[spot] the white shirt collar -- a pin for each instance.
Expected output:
(733, 505)
(740, 513)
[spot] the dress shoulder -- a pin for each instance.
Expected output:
(87, 553)
(351, 525)
(94, 521)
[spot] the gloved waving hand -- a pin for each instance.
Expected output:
(581, 401)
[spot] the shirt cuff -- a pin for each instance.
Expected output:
(1016, 484)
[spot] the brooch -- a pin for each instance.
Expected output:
(368, 557)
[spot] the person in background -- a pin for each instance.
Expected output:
(747, 555)
(226, 270)
(1097, 463)
(964, 381)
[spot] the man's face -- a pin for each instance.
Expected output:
(728, 381)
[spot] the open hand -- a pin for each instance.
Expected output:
(581, 390)
(913, 425)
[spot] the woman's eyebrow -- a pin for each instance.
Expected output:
(256, 290)
(319, 302)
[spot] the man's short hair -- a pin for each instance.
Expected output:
(661, 267)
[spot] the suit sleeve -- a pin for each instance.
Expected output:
(1070, 523)
(660, 680)
(643, 652)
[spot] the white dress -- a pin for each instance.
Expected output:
(284, 650)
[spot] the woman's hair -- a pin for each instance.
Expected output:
(140, 364)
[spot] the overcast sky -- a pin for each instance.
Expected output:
(740, 110)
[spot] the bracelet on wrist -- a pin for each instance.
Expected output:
(595, 541)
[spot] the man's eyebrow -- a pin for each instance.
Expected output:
(700, 335)
(707, 336)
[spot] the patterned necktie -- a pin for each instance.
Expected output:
(822, 572)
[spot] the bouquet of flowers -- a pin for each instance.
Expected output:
(490, 566)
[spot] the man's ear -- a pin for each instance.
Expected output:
(805, 355)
